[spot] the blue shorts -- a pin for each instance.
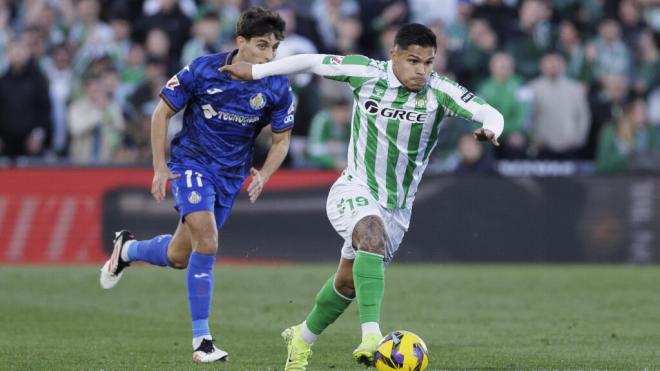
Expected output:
(194, 191)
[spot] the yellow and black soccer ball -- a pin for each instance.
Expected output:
(401, 350)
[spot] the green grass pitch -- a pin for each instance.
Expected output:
(471, 317)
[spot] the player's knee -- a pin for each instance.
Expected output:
(369, 235)
(178, 263)
(206, 243)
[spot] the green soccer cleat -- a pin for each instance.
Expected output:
(298, 352)
(364, 353)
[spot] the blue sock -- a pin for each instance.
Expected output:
(199, 280)
(153, 251)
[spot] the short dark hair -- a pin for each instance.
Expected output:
(415, 34)
(258, 21)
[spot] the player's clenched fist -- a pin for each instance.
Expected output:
(161, 176)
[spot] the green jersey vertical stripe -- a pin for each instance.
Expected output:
(413, 149)
(434, 132)
(392, 132)
(372, 140)
(356, 131)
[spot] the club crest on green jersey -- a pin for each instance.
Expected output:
(420, 102)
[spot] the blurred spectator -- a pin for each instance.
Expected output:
(471, 63)
(608, 52)
(571, 47)
(606, 98)
(647, 70)
(427, 11)
(458, 30)
(142, 103)
(654, 107)
(501, 92)
(651, 13)
(500, 16)
(629, 143)
(387, 42)
(328, 15)
(632, 24)
(5, 33)
(133, 70)
(329, 134)
(560, 114)
(25, 121)
(88, 29)
(294, 43)
(170, 19)
(157, 45)
(120, 23)
(532, 37)
(474, 157)
(376, 15)
(349, 30)
(228, 12)
(60, 77)
(35, 38)
(304, 86)
(153, 7)
(96, 125)
(206, 38)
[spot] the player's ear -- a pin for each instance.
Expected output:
(393, 52)
(241, 41)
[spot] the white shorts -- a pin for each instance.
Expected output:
(350, 201)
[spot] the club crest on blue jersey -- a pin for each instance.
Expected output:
(258, 101)
(194, 197)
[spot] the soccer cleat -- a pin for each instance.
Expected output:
(364, 353)
(207, 352)
(298, 352)
(113, 269)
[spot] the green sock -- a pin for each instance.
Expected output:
(369, 281)
(329, 306)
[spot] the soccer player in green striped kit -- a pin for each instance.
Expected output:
(399, 105)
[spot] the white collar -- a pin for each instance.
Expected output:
(392, 80)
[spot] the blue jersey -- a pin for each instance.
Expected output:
(223, 116)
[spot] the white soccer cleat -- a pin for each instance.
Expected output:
(113, 269)
(207, 352)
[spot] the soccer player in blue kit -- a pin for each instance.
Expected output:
(210, 159)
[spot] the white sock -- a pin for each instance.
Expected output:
(197, 341)
(370, 328)
(124, 251)
(307, 335)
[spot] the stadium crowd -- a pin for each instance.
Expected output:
(575, 80)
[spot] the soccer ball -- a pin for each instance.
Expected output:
(401, 350)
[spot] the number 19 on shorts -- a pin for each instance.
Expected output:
(351, 203)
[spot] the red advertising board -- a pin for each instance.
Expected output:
(52, 216)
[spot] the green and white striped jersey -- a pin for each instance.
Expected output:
(393, 129)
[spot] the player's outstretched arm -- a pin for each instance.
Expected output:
(274, 159)
(159, 121)
(285, 66)
(492, 124)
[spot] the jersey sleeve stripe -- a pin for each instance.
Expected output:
(164, 98)
(281, 130)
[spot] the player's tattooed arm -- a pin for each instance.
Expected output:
(159, 121)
